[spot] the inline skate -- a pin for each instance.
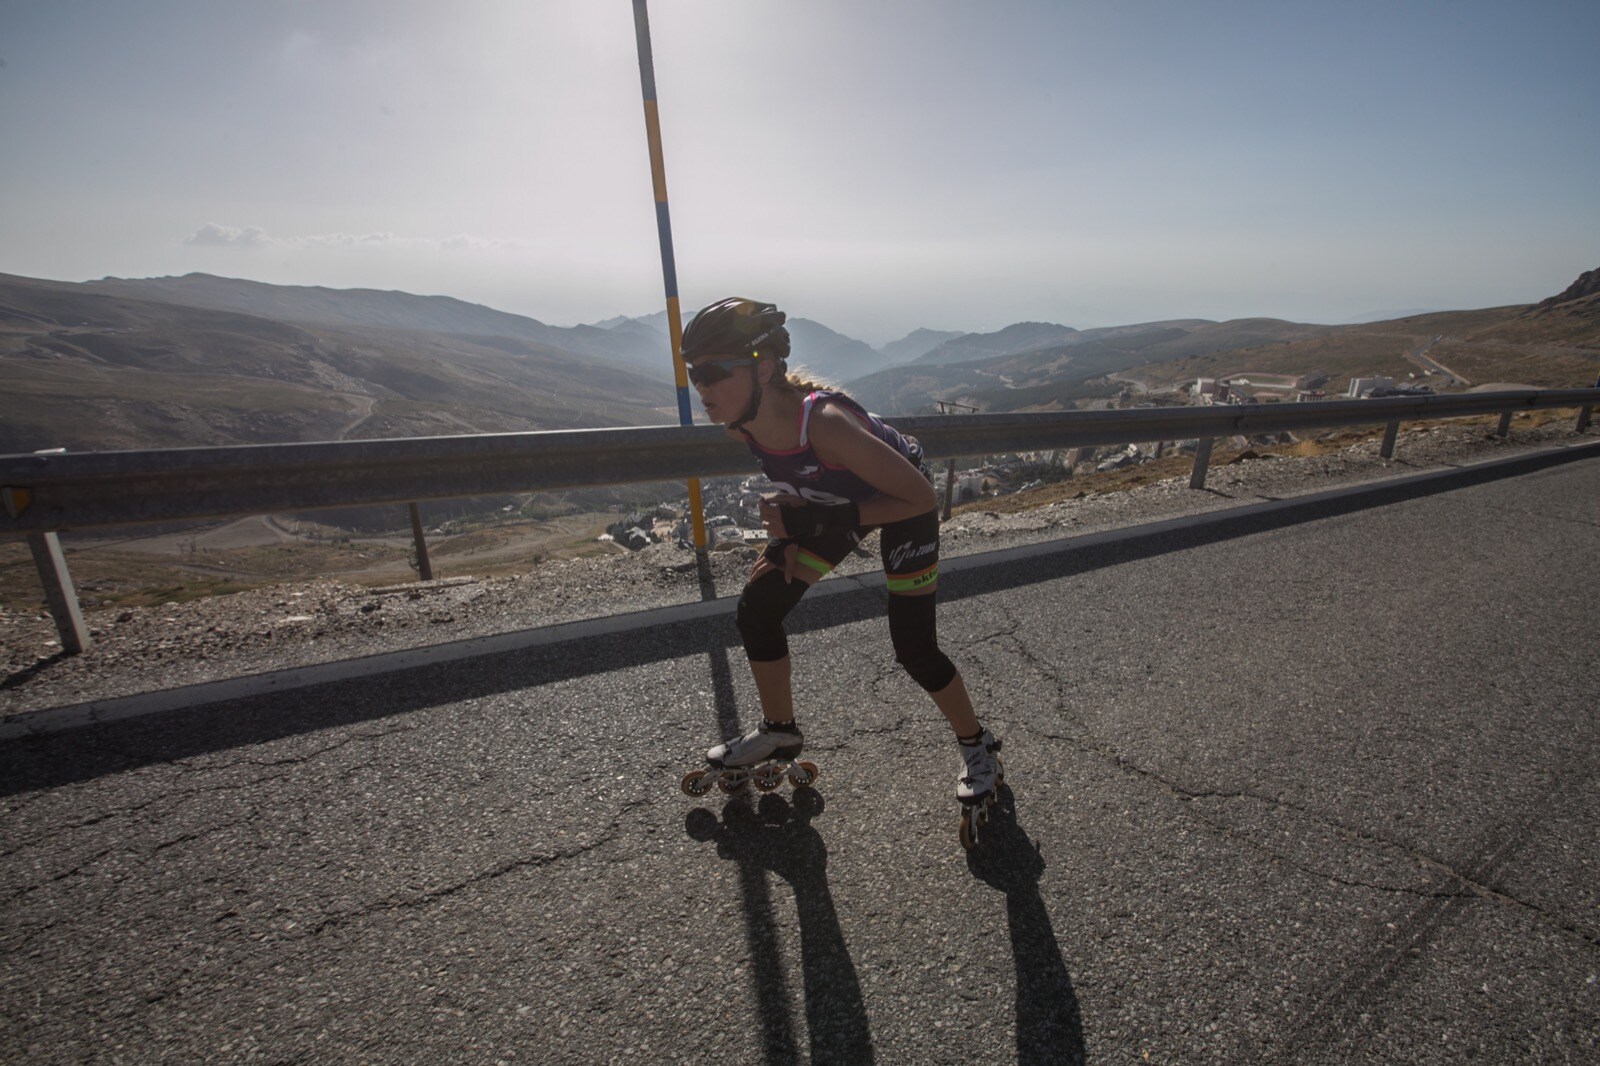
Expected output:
(762, 757)
(980, 776)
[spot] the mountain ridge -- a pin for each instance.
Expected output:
(87, 369)
(100, 365)
(378, 308)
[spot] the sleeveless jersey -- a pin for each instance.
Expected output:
(802, 473)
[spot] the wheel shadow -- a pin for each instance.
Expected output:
(775, 836)
(1049, 1023)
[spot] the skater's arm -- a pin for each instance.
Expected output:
(841, 440)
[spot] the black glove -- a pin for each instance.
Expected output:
(819, 519)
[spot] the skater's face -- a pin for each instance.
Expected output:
(723, 385)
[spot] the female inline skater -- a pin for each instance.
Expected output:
(840, 472)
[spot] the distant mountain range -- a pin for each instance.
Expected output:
(198, 359)
(181, 361)
(813, 346)
(916, 344)
(1553, 344)
(634, 346)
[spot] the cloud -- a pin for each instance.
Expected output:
(459, 242)
(215, 236)
(462, 240)
(348, 240)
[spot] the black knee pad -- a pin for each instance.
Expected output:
(916, 644)
(763, 606)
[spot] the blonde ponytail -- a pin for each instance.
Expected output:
(803, 381)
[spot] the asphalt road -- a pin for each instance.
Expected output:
(1316, 784)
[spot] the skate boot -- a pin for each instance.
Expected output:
(976, 783)
(763, 757)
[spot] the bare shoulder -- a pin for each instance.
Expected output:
(842, 439)
(835, 422)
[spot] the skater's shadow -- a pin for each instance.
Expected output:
(1049, 1025)
(775, 835)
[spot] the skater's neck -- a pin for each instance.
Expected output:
(776, 426)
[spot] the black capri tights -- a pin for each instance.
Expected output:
(910, 554)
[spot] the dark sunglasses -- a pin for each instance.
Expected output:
(711, 371)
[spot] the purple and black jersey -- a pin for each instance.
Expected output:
(802, 473)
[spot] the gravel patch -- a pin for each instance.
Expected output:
(147, 649)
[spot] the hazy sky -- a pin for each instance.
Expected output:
(877, 166)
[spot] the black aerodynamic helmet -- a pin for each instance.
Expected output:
(737, 326)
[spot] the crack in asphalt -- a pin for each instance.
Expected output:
(141, 858)
(200, 834)
(1086, 744)
(52, 834)
(1474, 887)
(26, 890)
(298, 759)
(481, 877)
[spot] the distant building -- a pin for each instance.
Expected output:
(971, 485)
(1264, 388)
(1361, 388)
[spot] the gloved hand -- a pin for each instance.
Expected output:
(811, 519)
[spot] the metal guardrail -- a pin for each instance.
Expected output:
(48, 492)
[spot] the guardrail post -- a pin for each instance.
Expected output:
(1202, 459)
(424, 567)
(945, 407)
(59, 592)
(1161, 449)
(1390, 432)
(1505, 425)
(1583, 418)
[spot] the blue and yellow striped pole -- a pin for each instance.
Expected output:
(669, 270)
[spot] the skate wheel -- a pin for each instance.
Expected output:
(803, 774)
(768, 779)
(694, 783)
(968, 829)
(733, 787)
